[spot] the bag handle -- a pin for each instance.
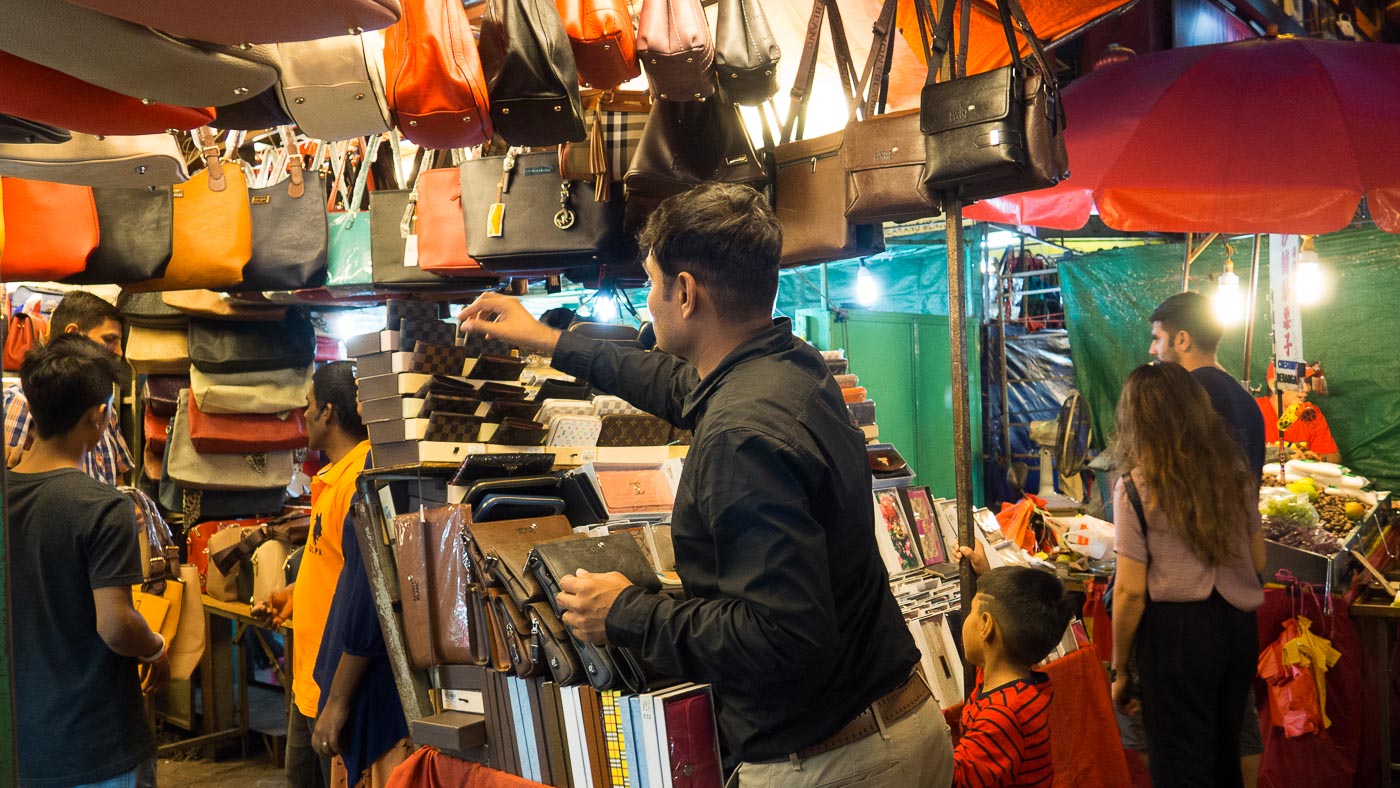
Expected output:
(209, 152)
(362, 178)
(801, 92)
(874, 81)
(424, 163)
(297, 188)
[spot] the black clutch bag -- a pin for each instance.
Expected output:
(226, 346)
(487, 466)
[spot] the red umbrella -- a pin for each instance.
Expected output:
(1271, 135)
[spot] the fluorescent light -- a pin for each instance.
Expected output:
(1229, 305)
(867, 287)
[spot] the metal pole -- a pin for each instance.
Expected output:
(1186, 266)
(962, 422)
(1249, 308)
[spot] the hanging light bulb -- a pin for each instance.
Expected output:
(1307, 276)
(604, 306)
(1229, 307)
(867, 286)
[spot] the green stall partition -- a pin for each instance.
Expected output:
(1352, 330)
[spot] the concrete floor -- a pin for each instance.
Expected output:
(255, 772)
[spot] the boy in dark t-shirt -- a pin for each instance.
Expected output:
(83, 655)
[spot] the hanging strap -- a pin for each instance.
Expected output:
(297, 188)
(874, 81)
(209, 151)
(362, 178)
(423, 164)
(807, 69)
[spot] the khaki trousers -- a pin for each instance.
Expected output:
(914, 752)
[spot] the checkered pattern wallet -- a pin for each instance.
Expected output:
(401, 309)
(608, 405)
(434, 332)
(453, 428)
(438, 359)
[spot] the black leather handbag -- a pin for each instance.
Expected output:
(531, 75)
(522, 217)
(995, 133)
(135, 237)
(387, 241)
(746, 53)
(19, 131)
(263, 111)
(149, 310)
(225, 346)
(607, 667)
(685, 144)
(289, 234)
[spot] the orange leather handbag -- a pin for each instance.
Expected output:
(213, 235)
(602, 36)
(52, 227)
(442, 231)
(436, 88)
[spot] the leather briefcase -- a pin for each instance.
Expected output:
(115, 162)
(135, 229)
(18, 131)
(675, 47)
(259, 21)
(334, 87)
(289, 230)
(530, 73)
(47, 95)
(746, 53)
(51, 229)
(541, 222)
(222, 346)
(437, 92)
(604, 41)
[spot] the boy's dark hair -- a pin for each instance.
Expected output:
(65, 379)
(1030, 609)
(1190, 312)
(728, 238)
(334, 384)
(84, 310)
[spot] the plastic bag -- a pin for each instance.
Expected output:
(1287, 506)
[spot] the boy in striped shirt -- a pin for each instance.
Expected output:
(1017, 617)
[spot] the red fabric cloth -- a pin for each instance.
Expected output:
(429, 768)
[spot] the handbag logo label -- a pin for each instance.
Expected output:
(564, 219)
(542, 169)
(957, 115)
(734, 161)
(261, 199)
(257, 461)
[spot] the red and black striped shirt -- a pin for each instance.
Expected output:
(1005, 740)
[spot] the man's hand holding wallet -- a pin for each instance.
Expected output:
(586, 599)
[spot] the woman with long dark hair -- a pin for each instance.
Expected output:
(1189, 552)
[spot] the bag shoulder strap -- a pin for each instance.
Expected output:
(1131, 491)
(801, 92)
(874, 81)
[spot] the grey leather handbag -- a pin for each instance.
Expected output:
(746, 53)
(289, 233)
(334, 87)
(113, 162)
(135, 236)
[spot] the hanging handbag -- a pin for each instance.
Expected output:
(135, 236)
(350, 260)
(676, 49)
(685, 144)
(191, 469)
(159, 597)
(442, 234)
(996, 133)
(158, 351)
(245, 432)
(162, 393)
(530, 73)
(810, 188)
(145, 161)
(277, 391)
(25, 332)
(150, 310)
(221, 346)
(258, 21)
(213, 236)
(746, 53)
(884, 154)
(155, 428)
(43, 94)
(616, 121)
(16, 130)
(604, 41)
(334, 87)
(388, 241)
(51, 228)
(521, 216)
(219, 306)
(289, 226)
(436, 89)
(263, 111)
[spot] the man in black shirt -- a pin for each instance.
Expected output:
(83, 655)
(788, 610)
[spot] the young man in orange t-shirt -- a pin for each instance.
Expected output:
(1308, 436)
(332, 425)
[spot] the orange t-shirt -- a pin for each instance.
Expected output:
(1310, 428)
(331, 493)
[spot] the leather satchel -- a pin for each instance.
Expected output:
(155, 428)
(259, 21)
(437, 92)
(685, 144)
(522, 217)
(884, 154)
(136, 231)
(250, 392)
(530, 73)
(334, 87)
(604, 41)
(132, 59)
(25, 332)
(221, 346)
(1012, 139)
(289, 226)
(51, 228)
(17, 130)
(191, 469)
(746, 53)
(555, 644)
(811, 179)
(676, 49)
(114, 162)
(43, 94)
(442, 235)
(242, 433)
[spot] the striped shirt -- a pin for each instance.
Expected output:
(105, 463)
(1005, 738)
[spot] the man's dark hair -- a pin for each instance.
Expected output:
(1190, 312)
(1030, 609)
(65, 379)
(84, 310)
(334, 384)
(728, 238)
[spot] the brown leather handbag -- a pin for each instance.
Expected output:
(51, 230)
(213, 227)
(25, 333)
(604, 42)
(884, 154)
(676, 48)
(434, 81)
(810, 185)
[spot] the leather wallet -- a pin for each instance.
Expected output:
(556, 646)
(495, 368)
(445, 384)
(448, 403)
(438, 359)
(607, 405)
(434, 332)
(512, 409)
(504, 506)
(559, 389)
(478, 345)
(506, 564)
(400, 309)
(491, 391)
(542, 484)
(854, 394)
(576, 431)
(449, 427)
(519, 432)
(847, 381)
(886, 462)
(630, 491)
(690, 740)
(633, 430)
(483, 466)
(862, 413)
(483, 538)
(514, 627)
(838, 366)
(562, 407)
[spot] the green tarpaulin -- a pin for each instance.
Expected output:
(1352, 331)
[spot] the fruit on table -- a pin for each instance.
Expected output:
(1354, 510)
